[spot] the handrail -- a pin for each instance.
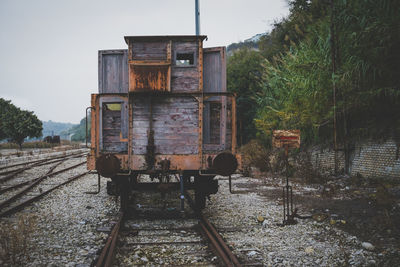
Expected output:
(86, 125)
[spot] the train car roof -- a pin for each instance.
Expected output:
(164, 37)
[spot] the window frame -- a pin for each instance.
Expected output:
(176, 53)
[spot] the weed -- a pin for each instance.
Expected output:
(15, 238)
(255, 154)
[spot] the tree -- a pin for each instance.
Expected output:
(17, 124)
(80, 130)
(297, 80)
(244, 72)
(5, 105)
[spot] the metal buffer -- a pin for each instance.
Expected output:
(287, 139)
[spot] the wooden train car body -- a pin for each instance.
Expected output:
(162, 107)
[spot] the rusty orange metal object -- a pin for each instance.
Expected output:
(107, 253)
(108, 165)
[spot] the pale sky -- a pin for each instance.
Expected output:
(48, 48)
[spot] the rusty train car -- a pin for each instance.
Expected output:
(163, 110)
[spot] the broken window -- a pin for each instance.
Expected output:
(112, 106)
(184, 59)
(212, 123)
(112, 128)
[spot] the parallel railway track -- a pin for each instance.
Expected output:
(10, 205)
(12, 173)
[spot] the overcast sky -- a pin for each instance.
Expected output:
(48, 48)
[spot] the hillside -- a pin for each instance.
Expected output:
(56, 128)
(77, 131)
(251, 43)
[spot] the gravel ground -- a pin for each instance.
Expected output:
(308, 243)
(69, 227)
(63, 229)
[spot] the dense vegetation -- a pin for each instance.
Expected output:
(352, 46)
(17, 124)
(78, 132)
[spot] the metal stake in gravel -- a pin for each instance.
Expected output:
(287, 139)
(288, 214)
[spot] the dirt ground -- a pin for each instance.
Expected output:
(364, 208)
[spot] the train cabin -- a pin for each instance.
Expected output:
(163, 107)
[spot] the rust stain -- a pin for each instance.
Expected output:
(149, 78)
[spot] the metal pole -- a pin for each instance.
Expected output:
(287, 183)
(197, 16)
(182, 194)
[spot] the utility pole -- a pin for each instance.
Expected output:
(197, 16)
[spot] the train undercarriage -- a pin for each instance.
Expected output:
(126, 185)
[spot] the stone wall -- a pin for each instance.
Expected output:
(370, 159)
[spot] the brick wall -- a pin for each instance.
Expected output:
(370, 159)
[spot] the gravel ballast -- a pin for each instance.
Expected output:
(70, 227)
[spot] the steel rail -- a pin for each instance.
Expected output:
(33, 180)
(35, 198)
(220, 247)
(13, 174)
(23, 168)
(39, 160)
(12, 187)
(219, 244)
(107, 253)
(22, 163)
(40, 163)
(216, 240)
(26, 189)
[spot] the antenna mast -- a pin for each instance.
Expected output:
(197, 16)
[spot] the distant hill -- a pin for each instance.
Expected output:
(78, 131)
(251, 43)
(56, 128)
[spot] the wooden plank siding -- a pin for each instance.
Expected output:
(214, 79)
(113, 71)
(175, 124)
(148, 50)
(215, 112)
(185, 78)
(111, 131)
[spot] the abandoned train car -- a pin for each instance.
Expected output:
(163, 109)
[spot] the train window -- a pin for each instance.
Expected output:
(112, 106)
(184, 59)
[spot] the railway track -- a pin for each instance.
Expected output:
(18, 184)
(32, 192)
(167, 240)
(12, 173)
